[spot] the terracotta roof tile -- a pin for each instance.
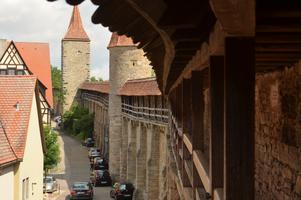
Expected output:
(16, 90)
(76, 30)
(37, 58)
(120, 40)
(103, 87)
(6, 152)
(140, 87)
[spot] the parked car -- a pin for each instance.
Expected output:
(59, 123)
(101, 163)
(123, 191)
(94, 152)
(81, 190)
(101, 177)
(89, 142)
(57, 118)
(50, 184)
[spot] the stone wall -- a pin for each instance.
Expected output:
(75, 68)
(278, 135)
(126, 62)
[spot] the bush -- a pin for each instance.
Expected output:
(79, 121)
(52, 155)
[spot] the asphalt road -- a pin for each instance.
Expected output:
(74, 166)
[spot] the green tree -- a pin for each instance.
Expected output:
(58, 92)
(52, 156)
(79, 122)
(56, 77)
(94, 79)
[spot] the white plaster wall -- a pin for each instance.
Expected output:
(32, 165)
(7, 183)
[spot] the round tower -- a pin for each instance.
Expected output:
(75, 58)
(126, 62)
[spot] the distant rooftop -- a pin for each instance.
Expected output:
(120, 40)
(76, 30)
(103, 87)
(134, 87)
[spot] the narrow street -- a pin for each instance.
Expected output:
(74, 166)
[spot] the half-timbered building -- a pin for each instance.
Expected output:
(14, 62)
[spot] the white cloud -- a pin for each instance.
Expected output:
(42, 21)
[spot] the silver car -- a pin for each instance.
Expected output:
(50, 184)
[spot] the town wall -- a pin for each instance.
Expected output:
(278, 134)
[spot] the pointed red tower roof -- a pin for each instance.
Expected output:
(120, 40)
(76, 30)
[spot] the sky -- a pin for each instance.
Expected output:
(43, 21)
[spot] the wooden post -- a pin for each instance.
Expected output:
(197, 101)
(216, 84)
(239, 118)
(197, 117)
(186, 105)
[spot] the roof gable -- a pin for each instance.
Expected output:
(11, 58)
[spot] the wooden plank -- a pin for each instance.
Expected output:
(202, 168)
(197, 101)
(217, 121)
(218, 194)
(187, 143)
(239, 118)
(278, 38)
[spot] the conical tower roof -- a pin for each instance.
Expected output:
(120, 40)
(76, 30)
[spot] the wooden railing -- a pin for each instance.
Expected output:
(158, 115)
(96, 98)
(196, 162)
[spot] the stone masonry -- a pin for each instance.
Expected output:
(75, 68)
(126, 62)
(278, 135)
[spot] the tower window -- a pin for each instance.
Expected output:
(134, 62)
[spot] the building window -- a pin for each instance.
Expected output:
(11, 72)
(2, 72)
(20, 72)
(25, 189)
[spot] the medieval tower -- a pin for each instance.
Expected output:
(75, 58)
(126, 62)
